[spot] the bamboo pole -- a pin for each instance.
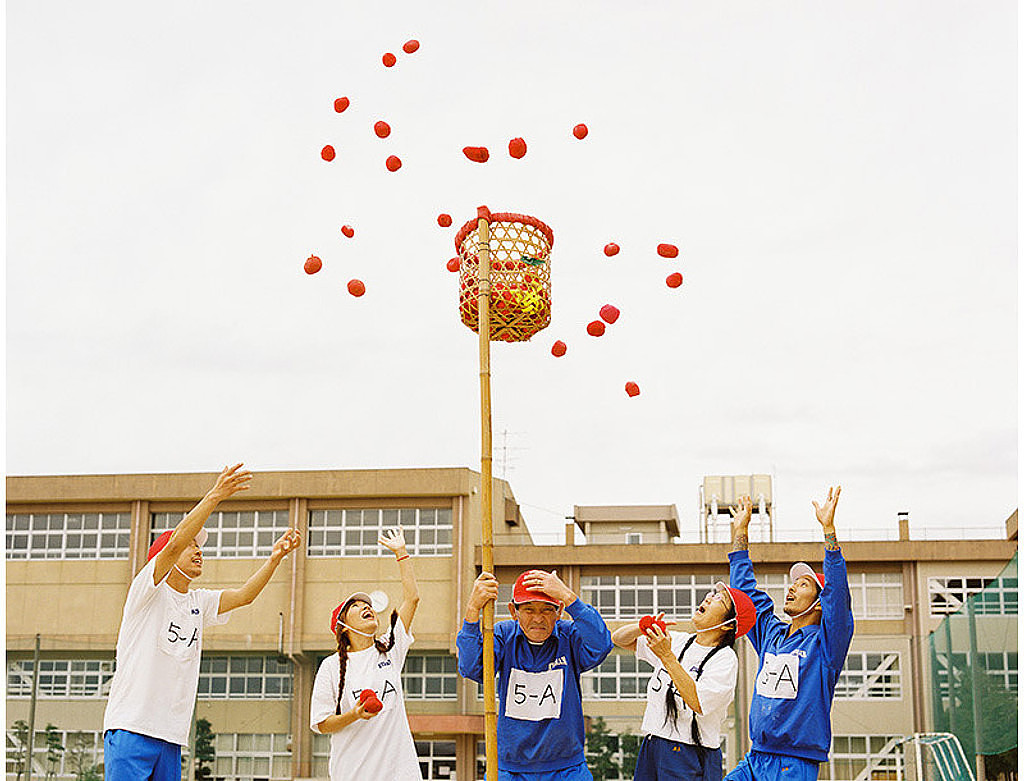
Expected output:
(487, 531)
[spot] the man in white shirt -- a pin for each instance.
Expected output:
(153, 691)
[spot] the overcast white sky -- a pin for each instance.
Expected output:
(841, 179)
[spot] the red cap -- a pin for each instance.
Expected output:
(161, 542)
(746, 613)
(362, 596)
(521, 594)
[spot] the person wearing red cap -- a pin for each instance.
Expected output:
(357, 694)
(693, 683)
(538, 660)
(798, 662)
(153, 691)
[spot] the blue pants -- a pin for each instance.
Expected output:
(667, 760)
(128, 756)
(760, 766)
(578, 772)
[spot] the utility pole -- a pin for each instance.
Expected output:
(32, 712)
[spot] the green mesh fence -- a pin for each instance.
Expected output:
(974, 668)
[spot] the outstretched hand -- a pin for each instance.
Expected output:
(230, 481)
(393, 539)
(286, 543)
(826, 513)
(741, 512)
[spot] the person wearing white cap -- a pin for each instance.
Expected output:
(798, 662)
(153, 691)
(357, 694)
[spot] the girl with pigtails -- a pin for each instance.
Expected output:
(357, 694)
(693, 682)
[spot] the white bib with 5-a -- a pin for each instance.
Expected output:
(534, 696)
(780, 676)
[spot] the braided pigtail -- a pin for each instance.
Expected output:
(384, 646)
(342, 663)
(671, 709)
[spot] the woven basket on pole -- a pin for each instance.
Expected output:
(520, 248)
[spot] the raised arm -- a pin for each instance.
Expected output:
(231, 480)
(394, 541)
(232, 598)
(836, 610)
(741, 573)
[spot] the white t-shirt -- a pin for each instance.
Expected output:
(378, 748)
(715, 689)
(159, 644)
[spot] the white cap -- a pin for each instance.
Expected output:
(802, 569)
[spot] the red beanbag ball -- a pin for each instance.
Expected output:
(595, 328)
(444, 220)
(312, 265)
(580, 131)
(453, 264)
(675, 279)
(609, 313)
(517, 148)
(368, 699)
(389, 60)
(356, 287)
(393, 163)
(381, 128)
(611, 249)
(558, 349)
(668, 250)
(646, 622)
(340, 104)
(478, 154)
(347, 231)
(410, 46)
(327, 153)
(632, 389)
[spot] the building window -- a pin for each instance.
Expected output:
(1001, 665)
(873, 595)
(634, 538)
(82, 751)
(621, 676)
(61, 678)
(68, 535)
(998, 595)
(428, 531)
(238, 534)
(246, 756)
(321, 756)
(860, 757)
(632, 596)
(437, 759)
(430, 677)
(870, 676)
(244, 677)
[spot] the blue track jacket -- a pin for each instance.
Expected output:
(540, 707)
(796, 677)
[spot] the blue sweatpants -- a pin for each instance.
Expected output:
(128, 756)
(667, 760)
(578, 772)
(761, 766)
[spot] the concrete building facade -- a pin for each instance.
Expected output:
(75, 542)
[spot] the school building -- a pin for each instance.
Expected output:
(74, 542)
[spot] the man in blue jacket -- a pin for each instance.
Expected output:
(799, 662)
(538, 660)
